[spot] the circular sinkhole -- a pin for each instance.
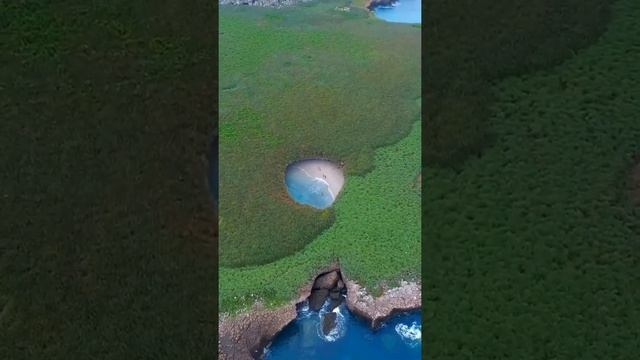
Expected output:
(314, 182)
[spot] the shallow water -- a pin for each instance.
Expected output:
(314, 182)
(403, 11)
(399, 338)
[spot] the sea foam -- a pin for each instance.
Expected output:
(411, 335)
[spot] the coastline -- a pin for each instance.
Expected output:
(371, 4)
(244, 336)
(325, 171)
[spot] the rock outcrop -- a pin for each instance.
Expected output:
(327, 281)
(244, 336)
(328, 322)
(317, 298)
(406, 297)
(372, 4)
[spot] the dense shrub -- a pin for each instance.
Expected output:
(531, 249)
(106, 224)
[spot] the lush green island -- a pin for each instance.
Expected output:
(315, 81)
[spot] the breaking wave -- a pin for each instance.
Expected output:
(411, 335)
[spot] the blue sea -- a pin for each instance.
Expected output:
(403, 11)
(352, 339)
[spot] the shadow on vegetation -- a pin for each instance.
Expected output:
(472, 44)
(106, 230)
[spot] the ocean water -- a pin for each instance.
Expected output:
(399, 338)
(307, 189)
(403, 11)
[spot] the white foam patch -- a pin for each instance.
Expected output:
(304, 311)
(411, 335)
(266, 352)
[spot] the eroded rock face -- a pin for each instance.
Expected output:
(317, 298)
(326, 281)
(244, 337)
(328, 322)
(406, 297)
(335, 303)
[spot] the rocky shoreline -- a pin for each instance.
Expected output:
(375, 311)
(372, 4)
(244, 336)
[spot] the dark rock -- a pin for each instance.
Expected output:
(326, 281)
(317, 298)
(328, 322)
(375, 310)
(340, 284)
(335, 294)
(375, 3)
(335, 303)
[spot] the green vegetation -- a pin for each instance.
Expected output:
(532, 249)
(375, 235)
(106, 246)
(301, 82)
(472, 44)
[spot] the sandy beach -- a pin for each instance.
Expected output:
(325, 171)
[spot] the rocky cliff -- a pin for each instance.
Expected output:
(244, 336)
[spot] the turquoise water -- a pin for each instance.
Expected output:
(352, 339)
(307, 189)
(403, 11)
